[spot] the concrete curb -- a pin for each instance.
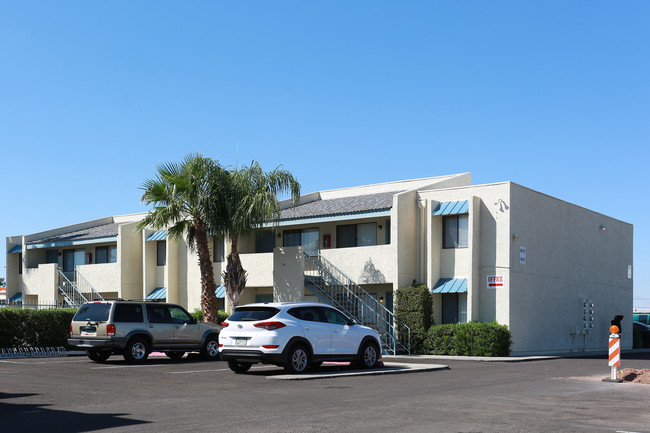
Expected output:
(389, 368)
(469, 358)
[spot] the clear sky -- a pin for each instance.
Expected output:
(553, 95)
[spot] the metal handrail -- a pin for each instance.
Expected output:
(364, 306)
(85, 287)
(72, 296)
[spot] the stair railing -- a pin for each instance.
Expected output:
(341, 291)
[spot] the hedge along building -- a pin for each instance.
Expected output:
(554, 272)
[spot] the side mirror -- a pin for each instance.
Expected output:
(193, 320)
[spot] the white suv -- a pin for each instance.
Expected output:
(296, 336)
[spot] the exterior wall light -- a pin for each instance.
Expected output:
(602, 228)
(515, 236)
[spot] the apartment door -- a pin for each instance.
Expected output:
(72, 259)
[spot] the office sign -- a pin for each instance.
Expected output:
(494, 281)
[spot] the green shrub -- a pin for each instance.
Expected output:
(469, 339)
(413, 308)
(35, 328)
(223, 315)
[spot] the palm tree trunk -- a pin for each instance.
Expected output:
(235, 276)
(208, 286)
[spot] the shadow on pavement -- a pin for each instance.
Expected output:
(31, 417)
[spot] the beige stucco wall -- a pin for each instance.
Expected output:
(569, 260)
(259, 268)
(365, 265)
(40, 282)
(289, 279)
(104, 277)
(130, 259)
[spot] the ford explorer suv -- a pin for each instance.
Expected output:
(134, 329)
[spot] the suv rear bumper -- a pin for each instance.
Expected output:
(96, 343)
(252, 356)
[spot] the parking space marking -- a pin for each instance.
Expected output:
(205, 371)
(129, 366)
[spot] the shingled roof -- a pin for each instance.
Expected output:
(101, 231)
(341, 206)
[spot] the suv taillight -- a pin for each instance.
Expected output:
(70, 330)
(270, 326)
(225, 324)
(110, 330)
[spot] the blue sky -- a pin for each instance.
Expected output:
(553, 95)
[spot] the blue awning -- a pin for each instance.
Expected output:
(221, 291)
(18, 297)
(16, 249)
(159, 235)
(452, 208)
(451, 285)
(158, 293)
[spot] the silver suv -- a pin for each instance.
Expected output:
(134, 329)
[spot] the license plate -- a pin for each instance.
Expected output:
(88, 330)
(240, 341)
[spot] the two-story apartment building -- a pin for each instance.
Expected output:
(554, 272)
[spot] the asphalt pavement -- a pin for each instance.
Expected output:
(74, 394)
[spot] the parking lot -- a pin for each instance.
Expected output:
(74, 394)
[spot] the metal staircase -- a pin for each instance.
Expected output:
(333, 287)
(76, 293)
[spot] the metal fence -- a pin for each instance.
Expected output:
(33, 306)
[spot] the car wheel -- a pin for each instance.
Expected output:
(98, 356)
(175, 355)
(369, 355)
(239, 367)
(136, 350)
(297, 359)
(210, 350)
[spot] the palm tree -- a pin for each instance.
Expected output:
(250, 200)
(182, 195)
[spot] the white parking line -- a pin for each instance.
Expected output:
(206, 371)
(129, 366)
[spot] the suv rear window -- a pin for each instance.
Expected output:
(95, 312)
(128, 313)
(251, 314)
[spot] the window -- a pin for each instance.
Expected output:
(158, 314)
(106, 254)
(128, 313)
(51, 256)
(252, 314)
(179, 315)
(72, 258)
(20, 263)
(218, 249)
(309, 314)
(308, 238)
(356, 235)
(265, 241)
(161, 247)
(335, 317)
(95, 312)
(454, 231)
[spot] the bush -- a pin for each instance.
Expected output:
(469, 339)
(223, 315)
(35, 328)
(413, 308)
